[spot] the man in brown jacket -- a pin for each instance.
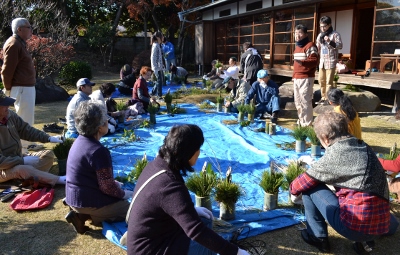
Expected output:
(304, 67)
(14, 164)
(18, 72)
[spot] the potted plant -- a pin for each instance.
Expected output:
(227, 193)
(220, 102)
(270, 182)
(250, 109)
(152, 109)
(228, 109)
(300, 135)
(138, 167)
(168, 100)
(121, 106)
(202, 184)
(241, 109)
(218, 64)
(291, 171)
(335, 80)
(61, 151)
(315, 143)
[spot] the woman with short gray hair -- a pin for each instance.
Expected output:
(359, 208)
(91, 191)
(89, 118)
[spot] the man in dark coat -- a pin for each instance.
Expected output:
(250, 63)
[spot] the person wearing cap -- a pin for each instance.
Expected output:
(267, 96)
(13, 163)
(18, 72)
(232, 71)
(84, 86)
(239, 90)
(304, 75)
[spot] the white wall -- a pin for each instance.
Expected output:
(342, 22)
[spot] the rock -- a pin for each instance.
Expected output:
(363, 101)
(286, 96)
(48, 91)
(286, 90)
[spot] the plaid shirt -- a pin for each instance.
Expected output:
(329, 54)
(359, 211)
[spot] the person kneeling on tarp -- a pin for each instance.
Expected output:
(359, 209)
(91, 191)
(267, 96)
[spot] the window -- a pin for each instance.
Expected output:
(233, 33)
(285, 23)
(253, 6)
(225, 13)
(386, 28)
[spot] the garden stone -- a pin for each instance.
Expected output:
(363, 101)
(286, 94)
(47, 91)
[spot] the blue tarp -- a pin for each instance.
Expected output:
(246, 151)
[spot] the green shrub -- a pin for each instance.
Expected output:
(271, 181)
(202, 183)
(152, 108)
(250, 108)
(313, 136)
(294, 169)
(73, 71)
(300, 133)
(220, 99)
(121, 105)
(241, 108)
(61, 150)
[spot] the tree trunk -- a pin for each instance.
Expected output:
(181, 41)
(153, 15)
(114, 35)
(146, 44)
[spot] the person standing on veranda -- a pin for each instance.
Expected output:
(304, 75)
(18, 72)
(329, 42)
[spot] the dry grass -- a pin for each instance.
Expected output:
(46, 231)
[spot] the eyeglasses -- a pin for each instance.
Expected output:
(323, 26)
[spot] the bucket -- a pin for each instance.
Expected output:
(62, 167)
(225, 213)
(270, 201)
(203, 202)
(300, 146)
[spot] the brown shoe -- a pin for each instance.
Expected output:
(77, 222)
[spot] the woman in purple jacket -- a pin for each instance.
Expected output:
(163, 219)
(91, 191)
